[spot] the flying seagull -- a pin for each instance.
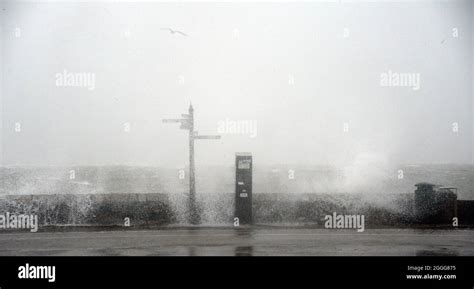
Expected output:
(172, 31)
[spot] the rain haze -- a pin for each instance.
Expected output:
(308, 87)
(237, 128)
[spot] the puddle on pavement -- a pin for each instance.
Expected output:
(220, 251)
(437, 252)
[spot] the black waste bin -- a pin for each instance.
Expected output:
(436, 206)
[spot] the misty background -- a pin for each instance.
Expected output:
(301, 72)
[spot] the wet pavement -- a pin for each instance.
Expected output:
(240, 242)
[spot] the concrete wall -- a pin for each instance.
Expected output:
(312, 208)
(163, 209)
(465, 212)
(91, 209)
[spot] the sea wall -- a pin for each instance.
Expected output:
(91, 209)
(465, 212)
(216, 209)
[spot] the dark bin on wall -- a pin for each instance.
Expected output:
(435, 206)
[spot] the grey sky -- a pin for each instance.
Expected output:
(300, 70)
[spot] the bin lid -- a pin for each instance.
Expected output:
(243, 154)
(425, 184)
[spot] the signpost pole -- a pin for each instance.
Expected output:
(194, 219)
(187, 122)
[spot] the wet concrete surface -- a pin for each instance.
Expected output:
(240, 242)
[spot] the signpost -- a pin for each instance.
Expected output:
(187, 123)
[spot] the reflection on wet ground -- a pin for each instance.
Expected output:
(244, 251)
(242, 234)
(250, 241)
(220, 251)
(437, 252)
